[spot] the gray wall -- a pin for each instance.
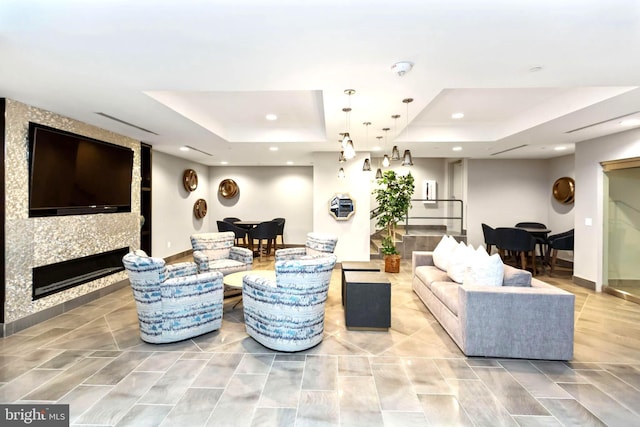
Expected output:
(588, 259)
(502, 193)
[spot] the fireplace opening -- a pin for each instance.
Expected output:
(52, 278)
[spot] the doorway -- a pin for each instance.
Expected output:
(622, 229)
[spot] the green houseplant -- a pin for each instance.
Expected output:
(394, 200)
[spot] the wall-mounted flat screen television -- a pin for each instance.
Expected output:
(71, 174)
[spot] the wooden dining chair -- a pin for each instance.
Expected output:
(541, 238)
(518, 241)
(267, 231)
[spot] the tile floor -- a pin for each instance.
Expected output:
(413, 375)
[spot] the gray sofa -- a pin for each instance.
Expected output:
(525, 318)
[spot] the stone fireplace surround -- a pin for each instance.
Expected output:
(36, 242)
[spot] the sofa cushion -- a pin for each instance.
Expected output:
(447, 293)
(516, 277)
(429, 274)
(484, 269)
(442, 251)
(458, 261)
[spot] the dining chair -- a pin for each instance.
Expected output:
(280, 222)
(541, 238)
(489, 237)
(240, 233)
(518, 241)
(561, 241)
(266, 230)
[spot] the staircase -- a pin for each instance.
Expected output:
(420, 239)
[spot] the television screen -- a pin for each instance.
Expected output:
(72, 174)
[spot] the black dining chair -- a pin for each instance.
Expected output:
(541, 238)
(280, 222)
(230, 219)
(266, 230)
(559, 242)
(241, 233)
(489, 237)
(518, 241)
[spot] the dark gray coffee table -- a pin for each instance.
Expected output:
(367, 303)
(357, 266)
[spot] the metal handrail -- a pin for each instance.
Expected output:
(461, 217)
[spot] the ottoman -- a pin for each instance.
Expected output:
(367, 303)
(357, 266)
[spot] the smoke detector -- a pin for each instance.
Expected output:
(401, 68)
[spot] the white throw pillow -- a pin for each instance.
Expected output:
(458, 261)
(442, 251)
(484, 269)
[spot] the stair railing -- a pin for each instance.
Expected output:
(461, 217)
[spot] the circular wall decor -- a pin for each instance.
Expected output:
(200, 208)
(228, 188)
(190, 180)
(564, 190)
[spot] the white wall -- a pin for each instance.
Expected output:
(266, 192)
(588, 258)
(501, 193)
(561, 216)
(354, 234)
(172, 218)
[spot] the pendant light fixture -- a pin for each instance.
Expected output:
(347, 142)
(379, 171)
(366, 166)
(395, 153)
(407, 160)
(385, 160)
(341, 173)
(341, 158)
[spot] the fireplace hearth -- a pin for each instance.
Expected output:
(52, 278)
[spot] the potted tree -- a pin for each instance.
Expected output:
(394, 201)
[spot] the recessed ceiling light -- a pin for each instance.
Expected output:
(289, 162)
(273, 148)
(630, 122)
(560, 148)
(271, 117)
(457, 148)
(183, 148)
(224, 162)
(535, 69)
(457, 115)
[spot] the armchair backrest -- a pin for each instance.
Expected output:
(306, 275)
(318, 243)
(144, 271)
(514, 239)
(214, 245)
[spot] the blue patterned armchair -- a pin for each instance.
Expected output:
(174, 303)
(317, 243)
(288, 314)
(216, 252)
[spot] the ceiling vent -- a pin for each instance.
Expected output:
(115, 119)
(510, 149)
(602, 122)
